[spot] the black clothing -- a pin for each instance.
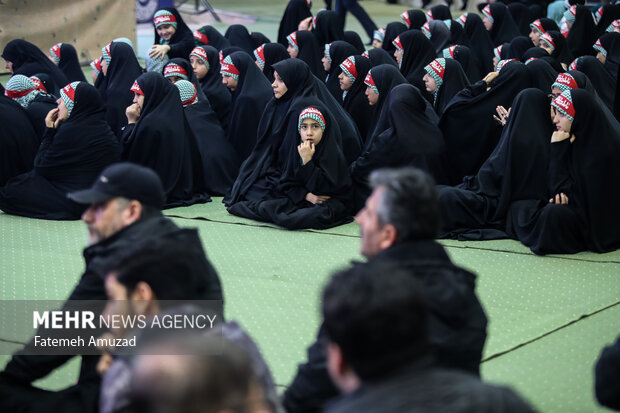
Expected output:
(354, 40)
(392, 31)
(522, 16)
(454, 80)
(38, 109)
(580, 170)
(70, 158)
(162, 140)
(123, 70)
(273, 53)
(69, 63)
(356, 102)
(238, 35)
(582, 35)
(610, 13)
(561, 51)
(540, 53)
(19, 141)
(607, 377)
(611, 43)
(420, 388)
(182, 41)
(212, 86)
(476, 209)
(602, 81)
(386, 77)
(15, 388)
(418, 52)
(440, 35)
(29, 60)
(468, 61)
(295, 12)
(258, 38)
(191, 76)
(249, 99)
(457, 323)
(220, 161)
(273, 126)
(482, 45)
(379, 57)
(338, 52)
(213, 36)
(404, 136)
(279, 195)
(328, 27)
(504, 27)
(415, 19)
(310, 52)
(440, 12)
(469, 143)
(542, 74)
(516, 48)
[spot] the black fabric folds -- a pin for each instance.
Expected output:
(219, 159)
(249, 99)
(392, 31)
(440, 35)
(354, 40)
(286, 180)
(611, 43)
(122, 72)
(482, 45)
(561, 52)
(386, 77)
(182, 41)
(214, 37)
(162, 140)
(440, 12)
(338, 51)
(69, 63)
(504, 27)
(38, 110)
(379, 57)
(238, 35)
(70, 158)
(522, 17)
(212, 86)
(542, 74)
(454, 80)
(581, 170)
(416, 19)
(517, 47)
(467, 123)
(418, 52)
(29, 60)
(18, 140)
(310, 52)
(295, 12)
(274, 53)
(582, 35)
(405, 136)
(602, 81)
(328, 27)
(515, 170)
(468, 61)
(356, 101)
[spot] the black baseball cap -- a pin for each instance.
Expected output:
(127, 180)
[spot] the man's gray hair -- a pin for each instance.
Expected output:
(408, 201)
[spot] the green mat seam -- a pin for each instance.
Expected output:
(548, 333)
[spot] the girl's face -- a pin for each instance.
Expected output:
(535, 36)
(200, 69)
(104, 67)
(259, 66)
(562, 122)
(326, 64)
(311, 130)
(555, 92)
(495, 62)
(173, 79)
(278, 85)
(430, 83)
(600, 56)
(138, 99)
(63, 112)
(543, 45)
(230, 82)
(373, 98)
(345, 81)
(399, 56)
(377, 44)
(291, 50)
(165, 31)
(487, 24)
(9, 66)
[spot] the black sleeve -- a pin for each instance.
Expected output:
(311, 388)
(46, 143)
(182, 48)
(607, 377)
(560, 179)
(380, 154)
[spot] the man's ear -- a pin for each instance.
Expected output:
(339, 370)
(132, 212)
(388, 236)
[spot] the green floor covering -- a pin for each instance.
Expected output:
(272, 279)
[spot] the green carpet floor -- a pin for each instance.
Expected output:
(549, 317)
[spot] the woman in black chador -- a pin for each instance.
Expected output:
(220, 161)
(580, 210)
(467, 122)
(158, 136)
(251, 92)
(334, 54)
(308, 178)
(209, 36)
(477, 208)
(444, 78)
(37, 103)
(413, 52)
(267, 55)
(120, 68)
(303, 45)
(354, 71)
(76, 147)
(205, 61)
(24, 58)
(296, 11)
(500, 24)
(405, 136)
(66, 58)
